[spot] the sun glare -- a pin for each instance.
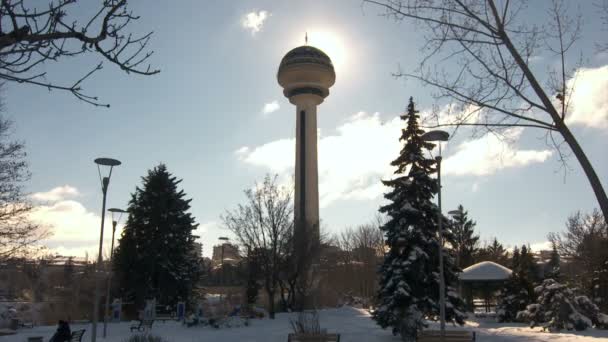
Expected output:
(331, 43)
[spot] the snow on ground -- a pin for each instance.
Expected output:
(353, 324)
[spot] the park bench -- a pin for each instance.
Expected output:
(450, 336)
(26, 324)
(325, 338)
(142, 325)
(77, 335)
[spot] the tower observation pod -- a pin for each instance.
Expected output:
(306, 74)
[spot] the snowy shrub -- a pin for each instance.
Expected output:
(589, 309)
(557, 308)
(411, 323)
(306, 323)
(513, 298)
(144, 338)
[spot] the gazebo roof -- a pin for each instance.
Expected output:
(485, 271)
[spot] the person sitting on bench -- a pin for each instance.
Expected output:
(63, 333)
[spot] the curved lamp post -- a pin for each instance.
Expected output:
(116, 215)
(224, 241)
(105, 181)
(439, 136)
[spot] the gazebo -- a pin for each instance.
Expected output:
(482, 279)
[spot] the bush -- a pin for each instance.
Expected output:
(306, 323)
(513, 298)
(589, 309)
(145, 338)
(558, 308)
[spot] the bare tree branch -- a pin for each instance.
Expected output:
(29, 38)
(477, 54)
(264, 226)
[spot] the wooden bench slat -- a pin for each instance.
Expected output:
(326, 337)
(450, 336)
(77, 335)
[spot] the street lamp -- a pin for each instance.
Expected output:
(223, 239)
(455, 213)
(105, 181)
(439, 136)
(116, 215)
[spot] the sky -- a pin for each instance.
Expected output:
(217, 118)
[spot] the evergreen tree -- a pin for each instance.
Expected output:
(156, 256)
(409, 284)
(527, 265)
(465, 240)
(515, 258)
(494, 252)
(497, 252)
(514, 297)
(600, 287)
(552, 269)
(557, 307)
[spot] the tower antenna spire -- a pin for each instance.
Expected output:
(306, 38)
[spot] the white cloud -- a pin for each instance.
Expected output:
(488, 154)
(74, 229)
(589, 99)
(254, 21)
(541, 246)
(270, 107)
(354, 160)
(56, 194)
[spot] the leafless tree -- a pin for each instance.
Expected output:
(32, 34)
(584, 245)
(361, 251)
(580, 229)
(477, 57)
(17, 233)
(264, 226)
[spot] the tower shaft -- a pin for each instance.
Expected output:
(306, 199)
(306, 74)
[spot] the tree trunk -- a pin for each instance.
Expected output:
(563, 129)
(270, 303)
(599, 191)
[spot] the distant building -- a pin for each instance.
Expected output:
(230, 254)
(198, 249)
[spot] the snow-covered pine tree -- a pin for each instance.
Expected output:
(552, 269)
(518, 291)
(557, 307)
(600, 286)
(409, 276)
(156, 255)
(465, 241)
(513, 298)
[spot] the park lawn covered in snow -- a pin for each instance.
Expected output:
(354, 325)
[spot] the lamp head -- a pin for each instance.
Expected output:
(455, 213)
(436, 135)
(107, 162)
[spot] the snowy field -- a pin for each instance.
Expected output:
(353, 324)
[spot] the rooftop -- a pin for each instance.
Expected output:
(485, 271)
